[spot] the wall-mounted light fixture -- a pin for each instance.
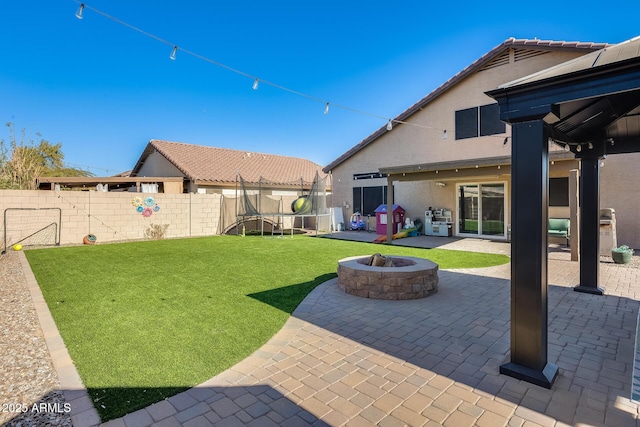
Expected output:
(440, 184)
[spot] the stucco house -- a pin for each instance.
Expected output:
(449, 151)
(213, 170)
(254, 187)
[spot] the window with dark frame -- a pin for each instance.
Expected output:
(467, 123)
(559, 191)
(479, 121)
(490, 123)
(357, 199)
(367, 199)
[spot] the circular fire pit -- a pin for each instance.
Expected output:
(410, 278)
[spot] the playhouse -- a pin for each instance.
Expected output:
(381, 218)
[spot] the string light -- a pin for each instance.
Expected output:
(255, 84)
(579, 148)
(590, 146)
(80, 11)
(444, 134)
(326, 108)
(255, 79)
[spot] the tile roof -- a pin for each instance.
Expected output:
(221, 165)
(485, 59)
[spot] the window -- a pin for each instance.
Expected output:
(559, 191)
(479, 121)
(482, 209)
(490, 123)
(369, 175)
(367, 199)
(467, 123)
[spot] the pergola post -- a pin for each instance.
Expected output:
(589, 226)
(596, 96)
(529, 224)
(389, 209)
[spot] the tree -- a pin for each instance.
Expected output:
(23, 162)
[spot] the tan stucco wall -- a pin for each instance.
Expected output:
(112, 216)
(406, 145)
(410, 145)
(619, 178)
(157, 165)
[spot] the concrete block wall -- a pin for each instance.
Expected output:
(109, 216)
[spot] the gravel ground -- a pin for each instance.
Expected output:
(27, 376)
(635, 260)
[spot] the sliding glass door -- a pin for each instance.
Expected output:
(468, 203)
(482, 209)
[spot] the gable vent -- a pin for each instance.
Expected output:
(497, 62)
(521, 54)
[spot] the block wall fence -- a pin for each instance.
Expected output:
(112, 216)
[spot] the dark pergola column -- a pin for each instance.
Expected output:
(596, 96)
(389, 209)
(529, 204)
(589, 226)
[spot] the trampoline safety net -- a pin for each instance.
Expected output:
(256, 202)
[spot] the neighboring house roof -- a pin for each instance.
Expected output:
(496, 56)
(223, 165)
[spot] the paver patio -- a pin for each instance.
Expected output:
(345, 360)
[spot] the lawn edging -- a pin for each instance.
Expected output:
(82, 411)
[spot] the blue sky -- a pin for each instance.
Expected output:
(104, 90)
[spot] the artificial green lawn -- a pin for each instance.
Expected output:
(146, 320)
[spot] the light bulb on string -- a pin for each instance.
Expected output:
(444, 134)
(326, 108)
(80, 11)
(174, 51)
(255, 84)
(590, 146)
(579, 148)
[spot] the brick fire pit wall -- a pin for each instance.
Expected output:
(412, 278)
